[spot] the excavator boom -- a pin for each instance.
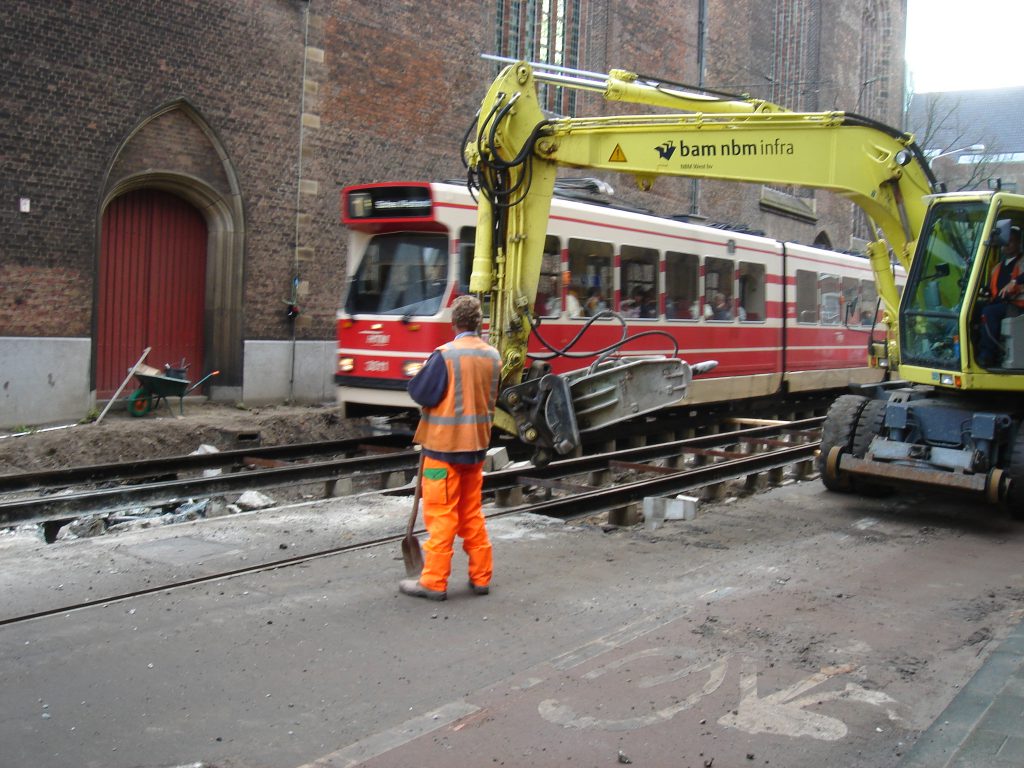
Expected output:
(956, 422)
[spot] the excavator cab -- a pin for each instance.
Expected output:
(938, 286)
(950, 319)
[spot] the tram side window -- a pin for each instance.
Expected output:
(752, 303)
(682, 291)
(806, 296)
(828, 287)
(590, 278)
(849, 302)
(867, 302)
(718, 293)
(549, 286)
(467, 247)
(639, 280)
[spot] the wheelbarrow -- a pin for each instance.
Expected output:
(160, 387)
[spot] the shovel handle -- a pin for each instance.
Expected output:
(416, 497)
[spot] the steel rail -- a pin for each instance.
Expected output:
(42, 509)
(508, 478)
(602, 499)
(54, 478)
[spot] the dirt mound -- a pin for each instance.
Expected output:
(120, 437)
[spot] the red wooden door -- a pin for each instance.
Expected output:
(152, 286)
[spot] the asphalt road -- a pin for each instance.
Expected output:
(791, 628)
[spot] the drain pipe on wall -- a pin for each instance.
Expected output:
(293, 300)
(702, 35)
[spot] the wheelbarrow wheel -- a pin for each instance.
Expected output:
(139, 402)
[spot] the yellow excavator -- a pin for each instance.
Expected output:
(953, 417)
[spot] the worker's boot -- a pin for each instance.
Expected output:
(477, 590)
(413, 588)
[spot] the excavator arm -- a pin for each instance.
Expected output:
(515, 150)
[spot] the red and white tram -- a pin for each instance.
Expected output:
(776, 316)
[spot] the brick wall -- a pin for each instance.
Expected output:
(375, 91)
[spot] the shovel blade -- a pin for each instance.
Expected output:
(412, 555)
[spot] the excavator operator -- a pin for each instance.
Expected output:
(1006, 287)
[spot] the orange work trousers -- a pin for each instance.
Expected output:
(452, 507)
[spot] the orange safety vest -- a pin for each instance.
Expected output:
(462, 420)
(1014, 274)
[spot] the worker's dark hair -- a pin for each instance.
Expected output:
(466, 313)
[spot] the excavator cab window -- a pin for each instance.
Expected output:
(936, 288)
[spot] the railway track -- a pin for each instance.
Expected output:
(653, 470)
(126, 486)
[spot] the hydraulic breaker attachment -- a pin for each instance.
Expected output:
(552, 411)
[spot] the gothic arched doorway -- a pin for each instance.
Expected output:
(152, 286)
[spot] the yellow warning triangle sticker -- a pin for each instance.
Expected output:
(618, 156)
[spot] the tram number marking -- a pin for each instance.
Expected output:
(377, 366)
(783, 713)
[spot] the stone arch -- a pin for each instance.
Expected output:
(822, 240)
(175, 150)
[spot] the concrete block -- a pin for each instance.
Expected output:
(657, 509)
(497, 458)
(509, 497)
(681, 508)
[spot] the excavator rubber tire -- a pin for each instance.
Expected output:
(1015, 497)
(838, 431)
(869, 424)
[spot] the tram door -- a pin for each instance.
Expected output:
(152, 286)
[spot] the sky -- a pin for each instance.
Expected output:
(955, 45)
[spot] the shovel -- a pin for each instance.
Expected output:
(411, 552)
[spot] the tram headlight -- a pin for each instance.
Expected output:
(411, 367)
(346, 364)
(946, 379)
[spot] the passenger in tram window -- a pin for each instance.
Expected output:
(572, 302)
(547, 302)
(678, 308)
(648, 304)
(719, 309)
(632, 306)
(595, 302)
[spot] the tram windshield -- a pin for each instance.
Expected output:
(400, 274)
(936, 287)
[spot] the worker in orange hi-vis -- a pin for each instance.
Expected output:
(457, 389)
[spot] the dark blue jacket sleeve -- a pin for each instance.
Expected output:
(428, 386)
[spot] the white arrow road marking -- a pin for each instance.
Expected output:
(784, 712)
(562, 714)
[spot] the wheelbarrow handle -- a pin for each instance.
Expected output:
(199, 383)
